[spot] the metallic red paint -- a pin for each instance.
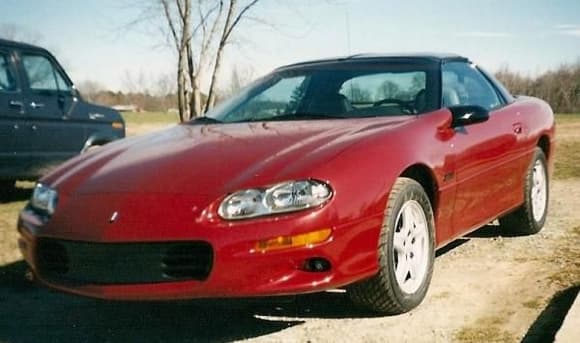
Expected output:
(167, 186)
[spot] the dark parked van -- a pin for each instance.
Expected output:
(43, 118)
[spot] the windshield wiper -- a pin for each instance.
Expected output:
(204, 120)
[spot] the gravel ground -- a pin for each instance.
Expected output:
(485, 288)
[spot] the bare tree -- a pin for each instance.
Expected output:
(560, 87)
(90, 89)
(199, 32)
(232, 19)
(240, 77)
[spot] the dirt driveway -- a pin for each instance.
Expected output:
(485, 288)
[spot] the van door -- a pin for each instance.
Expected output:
(12, 118)
(55, 135)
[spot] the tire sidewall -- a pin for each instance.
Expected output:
(415, 192)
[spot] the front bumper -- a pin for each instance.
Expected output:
(237, 269)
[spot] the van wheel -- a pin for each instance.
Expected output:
(6, 188)
(406, 252)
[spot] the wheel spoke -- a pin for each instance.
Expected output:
(399, 242)
(413, 270)
(402, 270)
(407, 222)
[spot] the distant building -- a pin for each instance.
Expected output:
(127, 108)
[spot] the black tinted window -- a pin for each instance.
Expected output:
(42, 75)
(401, 91)
(463, 84)
(7, 82)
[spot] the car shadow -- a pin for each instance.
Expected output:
(31, 313)
(546, 326)
(451, 246)
(491, 231)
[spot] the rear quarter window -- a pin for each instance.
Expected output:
(7, 81)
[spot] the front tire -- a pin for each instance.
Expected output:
(406, 252)
(531, 216)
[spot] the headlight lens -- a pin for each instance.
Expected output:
(44, 199)
(283, 197)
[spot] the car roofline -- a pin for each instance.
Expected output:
(435, 58)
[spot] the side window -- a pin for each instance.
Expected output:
(7, 82)
(463, 84)
(42, 75)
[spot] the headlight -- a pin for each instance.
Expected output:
(283, 197)
(44, 199)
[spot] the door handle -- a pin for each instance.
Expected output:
(14, 103)
(95, 116)
(36, 105)
(518, 128)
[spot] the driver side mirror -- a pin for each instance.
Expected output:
(468, 114)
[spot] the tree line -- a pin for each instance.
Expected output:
(559, 87)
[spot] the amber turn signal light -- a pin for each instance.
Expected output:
(284, 242)
(117, 125)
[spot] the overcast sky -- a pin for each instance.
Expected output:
(90, 40)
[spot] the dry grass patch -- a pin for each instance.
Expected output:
(487, 329)
(567, 158)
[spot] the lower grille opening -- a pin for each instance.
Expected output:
(52, 257)
(72, 262)
(187, 261)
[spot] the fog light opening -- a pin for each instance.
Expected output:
(317, 265)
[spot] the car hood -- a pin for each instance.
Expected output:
(210, 159)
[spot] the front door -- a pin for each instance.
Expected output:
(12, 118)
(485, 164)
(54, 135)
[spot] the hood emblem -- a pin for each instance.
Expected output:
(114, 217)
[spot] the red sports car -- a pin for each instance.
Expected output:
(344, 172)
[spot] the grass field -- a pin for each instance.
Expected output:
(142, 122)
(567, 146)
(150, 118)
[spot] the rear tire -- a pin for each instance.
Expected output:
(531, 216)
(406, 251)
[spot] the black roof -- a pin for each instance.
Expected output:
(411, 57)
(14, 44)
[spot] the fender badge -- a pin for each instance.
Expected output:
(114, 217)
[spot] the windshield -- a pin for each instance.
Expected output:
(343, 91)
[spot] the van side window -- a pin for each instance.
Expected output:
(42, 75)
(7, 82)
